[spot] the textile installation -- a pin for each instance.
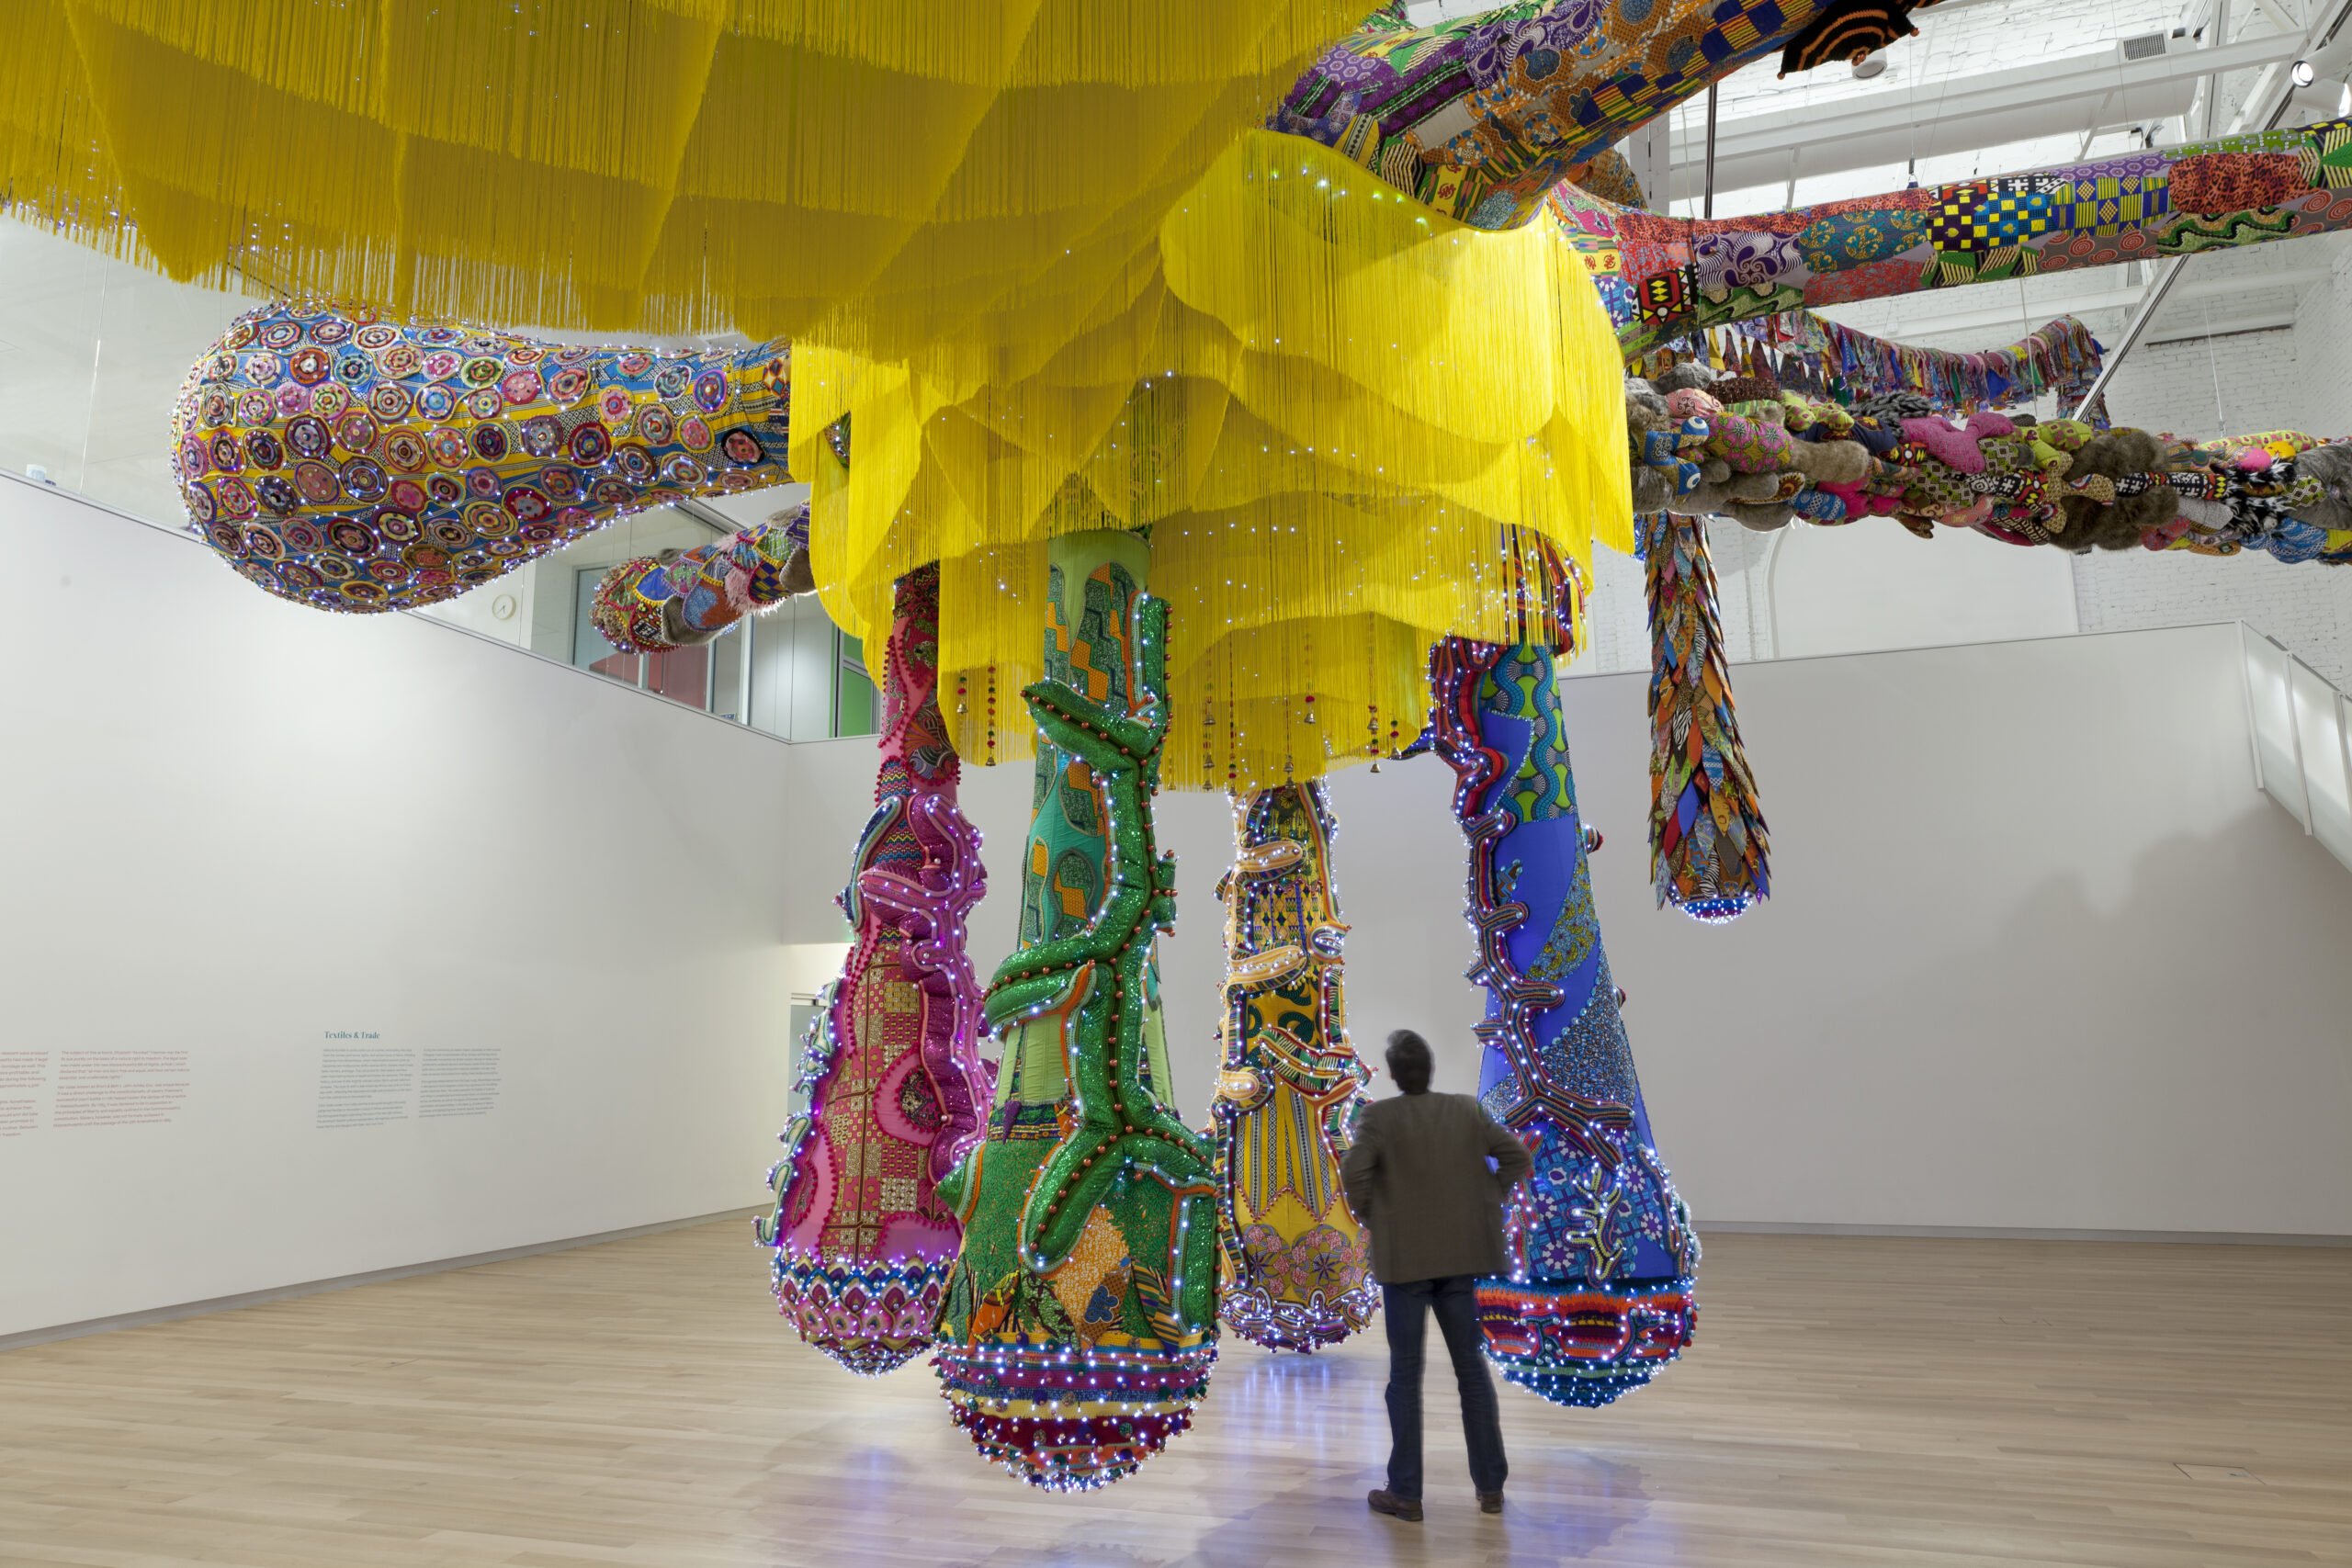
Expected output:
(898, 177)
(1352, 362)
(1603, 1258)
(1481, 116)
(895, 1086)
(2010, 477)
(651, 604)
(1352, 424)
(1080, 1319)
(1664, 277)
(1297, 1267)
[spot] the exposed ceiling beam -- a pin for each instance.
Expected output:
(2224, 326)
(2052, 98)
(2089, 293)
(2271, 101)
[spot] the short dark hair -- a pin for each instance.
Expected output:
(1408, 1061)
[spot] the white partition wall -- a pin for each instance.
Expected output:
(339, 944)
(2038, 955)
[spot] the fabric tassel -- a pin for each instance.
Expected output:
(1708, 851)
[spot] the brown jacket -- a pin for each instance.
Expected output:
(1416, 1177)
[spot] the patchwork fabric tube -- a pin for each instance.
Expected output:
(349, 463)
(1297, 1269)
(1708, 851)
(1603, 1258)
(1080, 1320)
(653, 603)
(1662, 277)
(1479, 116)
(893, 1074)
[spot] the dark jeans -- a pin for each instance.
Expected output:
(1455, 1302)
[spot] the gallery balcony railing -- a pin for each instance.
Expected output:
(2302, 740)
(92, 352)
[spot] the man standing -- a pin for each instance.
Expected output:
(1419, 1179)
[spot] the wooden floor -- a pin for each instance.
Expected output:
(1864, 1402)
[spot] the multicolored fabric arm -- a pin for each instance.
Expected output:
(1662, 277)
(1708, 851)
(1603, 1257)
(1481, 116)
(2010, 477)
(348, 462)
(1079, 1323)
(1297, 1271)
(895, 1081)
(655, 602)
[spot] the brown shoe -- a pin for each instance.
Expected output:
(1405, 1508)
(1491, 1502)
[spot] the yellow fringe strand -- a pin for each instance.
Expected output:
(1354, 426)
(889, 174)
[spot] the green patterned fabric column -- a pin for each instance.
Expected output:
(1078, 1327)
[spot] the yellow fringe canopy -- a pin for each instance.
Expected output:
(889, 174)
(1353, 425)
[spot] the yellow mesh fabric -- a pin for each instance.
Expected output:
(1352, 425)
(887, 174)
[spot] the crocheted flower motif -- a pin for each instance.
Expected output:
(1268, 1259)
(1325, 1260)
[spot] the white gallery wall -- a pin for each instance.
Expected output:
(335, 944)
(339, 944)
(2039, 954)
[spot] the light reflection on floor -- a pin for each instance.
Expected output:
(1856, 1402)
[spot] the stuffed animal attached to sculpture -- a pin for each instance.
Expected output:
(1297, 1269)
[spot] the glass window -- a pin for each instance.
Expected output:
(853, 703)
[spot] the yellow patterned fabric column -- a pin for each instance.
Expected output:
(1297, 1269)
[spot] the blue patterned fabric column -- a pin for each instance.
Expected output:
(1603, 1255)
